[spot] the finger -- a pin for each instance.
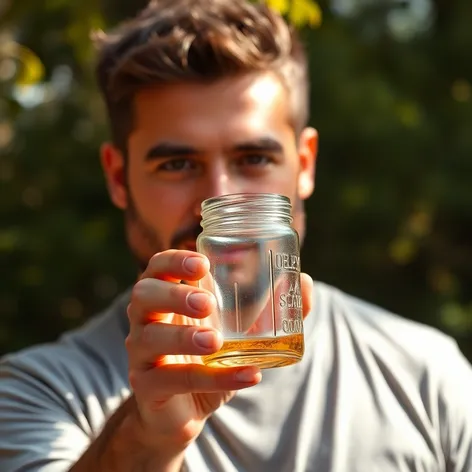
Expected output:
(155, 340)
(176, 265)
(151, 298)
(167, 380)
(306, 285)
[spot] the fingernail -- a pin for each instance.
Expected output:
(247, 376)
(198, 301)
(204, 339)
(191, 264)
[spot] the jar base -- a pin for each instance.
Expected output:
(263, 360)
(265, 353)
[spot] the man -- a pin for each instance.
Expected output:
(205, 98)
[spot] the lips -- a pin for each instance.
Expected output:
(235, 254)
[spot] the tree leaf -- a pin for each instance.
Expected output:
(282, 6)
(31, 69)
(305, 12)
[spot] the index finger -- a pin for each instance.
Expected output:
(176, 265)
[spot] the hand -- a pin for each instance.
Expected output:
(174, 391)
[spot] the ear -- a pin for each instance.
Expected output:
(113, 164)
(307, 151)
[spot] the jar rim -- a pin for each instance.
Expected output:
(245, 209)
(238, 197)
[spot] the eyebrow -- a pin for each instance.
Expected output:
(167, 149)
(261, 144)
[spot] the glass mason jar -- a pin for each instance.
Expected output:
(254, 256)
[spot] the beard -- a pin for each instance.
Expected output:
(144, 241)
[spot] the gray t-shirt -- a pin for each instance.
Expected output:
(373, 393)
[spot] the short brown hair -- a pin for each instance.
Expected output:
(197, 40)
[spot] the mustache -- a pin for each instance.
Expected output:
(187, 234)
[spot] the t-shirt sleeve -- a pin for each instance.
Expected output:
(38, 432)
(455, 407)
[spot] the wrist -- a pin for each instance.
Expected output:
(125, 445)
(154, 452)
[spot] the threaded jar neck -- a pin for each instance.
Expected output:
(246, 210)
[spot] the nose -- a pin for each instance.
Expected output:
(217, 182)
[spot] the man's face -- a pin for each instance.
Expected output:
(193, 141)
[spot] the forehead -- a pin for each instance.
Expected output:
(226, 109)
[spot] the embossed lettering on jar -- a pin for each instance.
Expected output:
(254, 273)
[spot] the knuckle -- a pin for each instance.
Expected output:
(183, 338)
(133, 315)
(149, 336)
(140, 289)
(176, 258)
(133, 378)
(129, 312)
(154, 261)
(169, 255)
(195, 380)
(178, 292)
(129, 343)
(133, 350)
(189, 379)
(164, 261)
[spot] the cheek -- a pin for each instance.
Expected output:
(144, 187)
(284, 182)
(159, 203)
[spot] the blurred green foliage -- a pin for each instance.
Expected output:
(391, 218)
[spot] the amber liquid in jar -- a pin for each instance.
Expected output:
(264, 353)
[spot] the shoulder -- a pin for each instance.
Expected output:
(54, 398)
(377, 322)
(421, 368)
(85, 370)
(387, 336)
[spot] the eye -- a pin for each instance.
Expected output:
(177, 165)
(257, 160)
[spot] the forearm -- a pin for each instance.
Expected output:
(121, 448)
